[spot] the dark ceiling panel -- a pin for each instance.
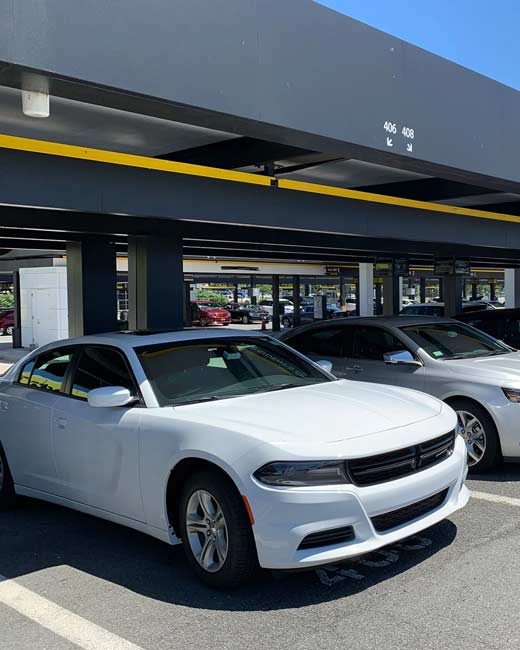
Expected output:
(426, 189)
(236, 153)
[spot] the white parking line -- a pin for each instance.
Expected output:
(72, 627)
(495, 498)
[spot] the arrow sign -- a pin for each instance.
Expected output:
(409, 147)
(389, 142)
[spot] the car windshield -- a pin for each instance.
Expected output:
(213, 369)
(454, 341)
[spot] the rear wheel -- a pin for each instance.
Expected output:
(286, 322)
(216, 532)
(480, 434)
(7, 495)
(9, 331)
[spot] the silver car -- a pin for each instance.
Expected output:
(474, 373)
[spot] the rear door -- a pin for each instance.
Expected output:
(325, 343)
(97, 449)
(369, 345)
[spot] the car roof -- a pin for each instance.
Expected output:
(381, 321)
(135, 339)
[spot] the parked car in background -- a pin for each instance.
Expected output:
(502, 324)
(207, 314)
(246, 313)
(267, 305)
(477, 375)
(165, 433)
(307, 315)
(7, 322)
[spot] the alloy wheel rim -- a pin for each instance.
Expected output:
(206, 531)
(474, 434)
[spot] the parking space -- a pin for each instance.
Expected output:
(92, 584)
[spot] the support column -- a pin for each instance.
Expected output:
(17, 332)
(155, 283)
(276, 302)
(441, 289)
(379, 299)
(512, 287)
(252, 296)
(235, 293)
(296, 300)
(187, 304)
(392, 295)
(422, 290)
(474, 289)
(453, 286)
(91, 287)
(365, 297)
(493, 290)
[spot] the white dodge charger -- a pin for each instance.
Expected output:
(229, 442)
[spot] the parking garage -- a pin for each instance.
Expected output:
(259, 164)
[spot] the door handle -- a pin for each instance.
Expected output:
(61, 423)
(354, 368)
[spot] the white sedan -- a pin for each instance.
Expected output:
(230, 442)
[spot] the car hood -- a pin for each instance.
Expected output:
(504, 367)
(321, 414)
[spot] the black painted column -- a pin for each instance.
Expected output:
(155, 283)
(453, 286)
(422, 290)
(391, 295)
(91, 287)
(17, 332)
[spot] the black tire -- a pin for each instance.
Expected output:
(241, 563)
(7, 493)
(492, 455)
(245, 319)
(9, 331)
(204, 322)
(286, 322)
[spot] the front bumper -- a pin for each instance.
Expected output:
(284, 517)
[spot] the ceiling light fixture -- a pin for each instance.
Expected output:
(35, 103)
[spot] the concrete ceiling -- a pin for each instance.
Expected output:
(79, 123)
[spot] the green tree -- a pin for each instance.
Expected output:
(6, 301)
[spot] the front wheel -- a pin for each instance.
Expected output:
(216, 532)
(204, 322)
(245, 319)
(286, 322)
(480, 434)
(9, 331)
(7, 495)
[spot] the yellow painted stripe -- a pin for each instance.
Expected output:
(144, 162)
(128, 160)
(344, 193)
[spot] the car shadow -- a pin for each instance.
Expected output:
(36, 536)
(505, 473)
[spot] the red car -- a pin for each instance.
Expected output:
(206, 314)
(7, 322)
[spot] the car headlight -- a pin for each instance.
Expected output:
(303, 473)
(512, 394)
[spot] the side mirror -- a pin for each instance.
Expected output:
(109, 396)
(325, 365)
(401, 358)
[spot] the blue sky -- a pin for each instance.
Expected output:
(479, 34)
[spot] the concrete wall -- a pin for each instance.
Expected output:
(43, 302)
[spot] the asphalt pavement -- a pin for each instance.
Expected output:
(75, 581)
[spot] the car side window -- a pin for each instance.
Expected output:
(49, 370)
(99, 367)
(374, 342)
(328, 341)
(25, 375)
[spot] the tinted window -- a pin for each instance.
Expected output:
(326, 342)
(99, 367)
(49, 370)
(374, 342)
(204, 370)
